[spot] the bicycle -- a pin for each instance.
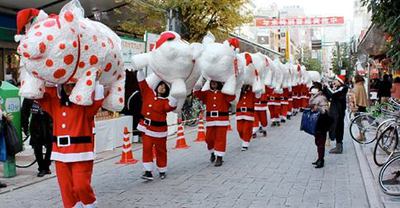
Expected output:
(191, 111)
(22, 162)
(389, 176)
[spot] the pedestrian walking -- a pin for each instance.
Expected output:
(73, 143)
(153, 124)
(2, 185)
(39, 127)
(361, 99)
(318, 102)
(337, 97)
(260, 115)
(245, 115)
(217, 118)
(396, 88)
(384, 88)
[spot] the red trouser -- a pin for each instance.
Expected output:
(216, 139)
(160, 145)
(274, 110)
(290, 107)
(245, 130)
(260, 117)
(284, 110)
(74, 179)
(296, 103)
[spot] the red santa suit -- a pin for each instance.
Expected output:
(304, 96)
(217, 119)
(154, 125)
(296, 98)
(245, 115)
(284, 104)
(73, 146)
(274, 105)
(260, 112)
(290, 101)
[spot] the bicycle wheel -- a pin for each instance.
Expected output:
(26, 158)
(363, 128)
(389, 177)
(385, 145)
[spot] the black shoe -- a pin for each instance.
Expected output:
(283, 120)
(254, 135)
(288, 117)
(41, 173)
(320, 164)
(244, 149)
(315, 163)
(212, 157)
(301, 109)
(162, 175)
(218, 162)
(3, 185)
(148, 176)
(264, 133)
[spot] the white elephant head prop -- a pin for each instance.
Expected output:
(218, 62)
(287, 80)
(277, 79)
(269, 71)
(68, 48)
(172, 61)
(314, 76)
(250, 75)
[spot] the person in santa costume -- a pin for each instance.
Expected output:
(153, 124)
(73, 143)
(217, 118)
(245, 115)
(260, 114)
(274, 107)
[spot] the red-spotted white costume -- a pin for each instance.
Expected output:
(73, 145)
(154, 124)
(260, 112)
(245, 115)
(217, 118)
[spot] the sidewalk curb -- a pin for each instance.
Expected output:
(373, 197)
(95, 162)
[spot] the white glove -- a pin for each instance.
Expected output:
(98, 91)
(172, 101)
(140, 75)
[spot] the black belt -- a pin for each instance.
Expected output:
(263, 102)
(67, 140)
(216, 113)
(149, 122)
(244, 109)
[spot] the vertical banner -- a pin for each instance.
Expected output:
(130, 47)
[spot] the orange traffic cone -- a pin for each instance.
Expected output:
(127, 155)
(181, 142)
(201, 136)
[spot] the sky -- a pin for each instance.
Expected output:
(316, 7)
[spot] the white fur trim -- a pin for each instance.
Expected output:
(72, 157)
(148, 166)
(162, 170)
(270, 103)
(78, 204)
(258, 108)
(140, 75)
(156, 134)
(217, 123)
(172, 101)
(211, 150)
(218, 153)
(245, 144)
(285, 103)
(243, 117)
(92, 205)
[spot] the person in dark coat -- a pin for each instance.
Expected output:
(337, 97)
(384, 88)
(2, 185)
(40, 129)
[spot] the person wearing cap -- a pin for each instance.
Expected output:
(73, 142)
(318, 102)
(153, 124)
(217, 118)
(337, 97)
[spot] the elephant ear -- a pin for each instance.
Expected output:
(209, 38)
(196, 49)
(70, 14)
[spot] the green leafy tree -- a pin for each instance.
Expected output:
(386, 14)
(196, 17)
(343, 62)
(312, 64)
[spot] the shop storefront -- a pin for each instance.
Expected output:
(9, 60)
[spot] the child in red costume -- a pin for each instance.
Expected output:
(156, 104)
(73, 143)
(217, 119)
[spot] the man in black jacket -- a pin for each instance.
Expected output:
(337, 97)
(40, 128)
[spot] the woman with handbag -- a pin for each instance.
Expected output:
(318, 102)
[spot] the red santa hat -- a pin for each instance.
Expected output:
(234, 42)
(24, 17)
(248, 58)
(340, 78)
(165, 36)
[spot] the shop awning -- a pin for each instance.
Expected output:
(373, 42)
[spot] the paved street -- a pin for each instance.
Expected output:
(275, 172)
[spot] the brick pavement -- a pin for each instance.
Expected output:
(275, 172)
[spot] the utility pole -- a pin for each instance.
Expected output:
(173, 22)
(338, 61)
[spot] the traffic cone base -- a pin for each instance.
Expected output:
(181, 144)
(127, 155)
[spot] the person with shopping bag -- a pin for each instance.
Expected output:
(319, 103)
